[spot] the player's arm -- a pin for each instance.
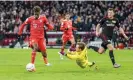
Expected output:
(98, 30)
(49, 26)
(123, 33)
(72, 55)
(62, 28)
(73, 28)
(75, 55)
(98, 26)
(121, 30)
(22, 26)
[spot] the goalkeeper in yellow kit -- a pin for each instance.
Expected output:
(80, 55)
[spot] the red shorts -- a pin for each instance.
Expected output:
(40, 42)
(66, 38)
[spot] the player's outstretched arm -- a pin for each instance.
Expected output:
(49, 26)
(73, 28)
(22, 26)
(123, 33)
(63, 28)
(99, 26)
(98, 30)
(72, 55)
(20, 31)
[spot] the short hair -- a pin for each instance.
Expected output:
(111, 9)
(36, 9)
(81, 45)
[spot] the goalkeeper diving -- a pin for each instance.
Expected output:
(80, 55)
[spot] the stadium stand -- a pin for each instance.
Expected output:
(85, 15)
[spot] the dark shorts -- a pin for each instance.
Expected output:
(106, 40)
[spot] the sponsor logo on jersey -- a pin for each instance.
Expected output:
(34, 25)
(110, 24)
(113, 21)
(109, 41)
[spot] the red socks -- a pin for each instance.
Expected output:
(33, 55)
(45, 60)
(62, 49)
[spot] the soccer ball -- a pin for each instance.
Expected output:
(30, 67)
(121, 46)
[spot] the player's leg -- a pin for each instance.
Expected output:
(110, 47)
(42, 47)
(64, 41)
(117, 43)
(103, 47)
(44, 54)
(34, 45)
(72, 40)
(114, 43)
(97, 49)
(38, 50)
(61, 53)
(85, 64)
(82, 65)
(63, 47)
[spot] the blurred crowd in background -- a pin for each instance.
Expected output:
(85, 14)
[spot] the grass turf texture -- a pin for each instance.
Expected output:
(13, 62)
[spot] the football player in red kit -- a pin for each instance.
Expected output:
(37, 40)
(67, 28)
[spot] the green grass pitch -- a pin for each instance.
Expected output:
(13, 62)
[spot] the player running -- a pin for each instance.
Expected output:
(80, 55)
(108, 24)
(37, 40)
(67, 28)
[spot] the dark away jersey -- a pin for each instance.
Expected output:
(108, 26)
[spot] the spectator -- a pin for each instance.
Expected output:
(90, 12)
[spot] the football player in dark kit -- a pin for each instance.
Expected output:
(108, 24)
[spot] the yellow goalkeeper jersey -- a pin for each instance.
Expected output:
(80, 57)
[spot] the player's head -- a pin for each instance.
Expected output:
(80, 46)
(110, 13)
(37, 11)
(67, 16)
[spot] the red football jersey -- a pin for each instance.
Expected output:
(36, 26)
(66, 24)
